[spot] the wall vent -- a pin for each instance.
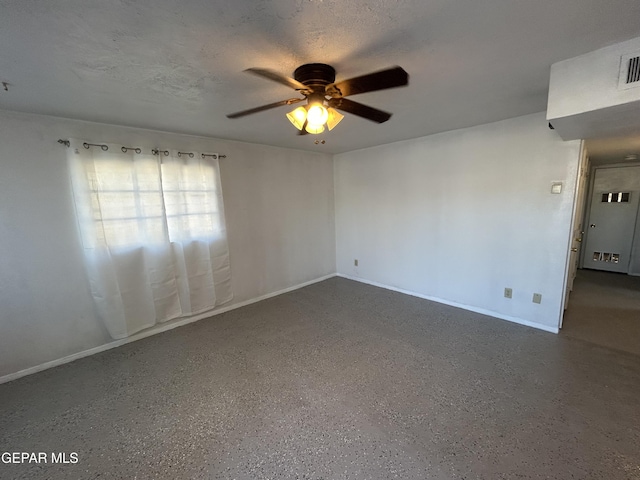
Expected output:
(633, 70)
(629, 71)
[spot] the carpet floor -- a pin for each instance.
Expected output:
(604, 309)
(338, 380)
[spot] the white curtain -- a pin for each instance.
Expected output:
(153, 233)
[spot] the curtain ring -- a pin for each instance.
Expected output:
(125, 149)
(103, 147)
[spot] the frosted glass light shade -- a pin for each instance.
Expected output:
(334, 118)
(297, 117)
(317, 115)
(314, 128)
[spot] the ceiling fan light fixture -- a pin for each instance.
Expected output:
(323, 95)
(334, 117)
(317, 114)
(314, 128)
(297, 117)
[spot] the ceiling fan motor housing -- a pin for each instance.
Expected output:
(315, 74)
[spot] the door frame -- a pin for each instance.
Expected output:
(578, 193)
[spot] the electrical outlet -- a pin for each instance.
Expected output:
(537, 298)
(508, 293)
(355, 262)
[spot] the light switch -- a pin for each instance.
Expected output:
(556, 187)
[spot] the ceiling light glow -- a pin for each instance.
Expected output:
(317, 115)
(297, 117)
(314, 117)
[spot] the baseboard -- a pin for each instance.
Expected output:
(152, 331)
(482, 311)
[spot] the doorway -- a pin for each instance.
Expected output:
(611, 220)
(602, 297)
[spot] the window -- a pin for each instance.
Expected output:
(615, 197)
(153, 233)
(142, 201)
(191, 200)
(126, 202)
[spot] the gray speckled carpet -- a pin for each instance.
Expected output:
(604, 309)
(338, 380)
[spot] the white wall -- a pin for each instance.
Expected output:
(280, 221)
(461, 215)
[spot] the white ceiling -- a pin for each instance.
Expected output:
(177, 65)
(603, 151)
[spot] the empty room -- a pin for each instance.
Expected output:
(320, 240)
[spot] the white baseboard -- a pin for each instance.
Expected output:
(152, 331)
(482, 311)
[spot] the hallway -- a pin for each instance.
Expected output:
(604, 309)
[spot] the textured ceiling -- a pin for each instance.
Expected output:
(177, 65)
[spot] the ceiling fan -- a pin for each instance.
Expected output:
(324, 96)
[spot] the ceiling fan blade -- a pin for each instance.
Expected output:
(359, 109)
(276, 77)
(389, 78)
(291, 101)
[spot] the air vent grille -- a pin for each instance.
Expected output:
(633, 70)
(629, 76)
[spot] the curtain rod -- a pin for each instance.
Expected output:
(154, 151)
